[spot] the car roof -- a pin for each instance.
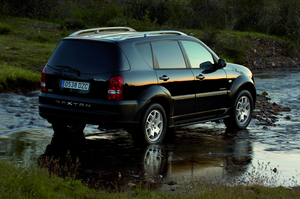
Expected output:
(118, 33)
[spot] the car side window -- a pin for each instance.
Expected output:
(197, 54)
(145, 51)
(169, 55)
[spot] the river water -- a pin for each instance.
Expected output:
(198, 151)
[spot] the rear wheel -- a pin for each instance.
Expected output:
(241, 113)
(152, 127)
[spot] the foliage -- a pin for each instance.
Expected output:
(145, 24)
(279, 17)
(236, 50)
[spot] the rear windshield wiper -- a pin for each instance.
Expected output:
(66, 69)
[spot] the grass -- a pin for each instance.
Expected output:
(5, 29)
(12, 78)
(24, 51)
(33, 182)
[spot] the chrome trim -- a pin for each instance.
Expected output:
(97, 30)
(99, 80)
(209, 94)
(146, 34)
(184, 97)
(190, 115)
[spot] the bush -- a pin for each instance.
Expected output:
(235, 50)
(210, 37)
(73, 24)
(145, 24)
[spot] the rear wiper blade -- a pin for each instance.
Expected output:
(68, 69)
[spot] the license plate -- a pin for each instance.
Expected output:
(75, 85)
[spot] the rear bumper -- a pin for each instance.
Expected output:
(119, 113)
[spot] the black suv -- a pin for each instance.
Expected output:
(145, 82)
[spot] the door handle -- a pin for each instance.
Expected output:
(164, 77)
(201, 77)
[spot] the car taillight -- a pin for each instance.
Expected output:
(115, 88)
(43, 81)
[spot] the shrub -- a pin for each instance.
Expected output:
(235, 50)
(210, 37)
(73, 24)
(145, 24)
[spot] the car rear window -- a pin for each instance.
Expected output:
(85, 56)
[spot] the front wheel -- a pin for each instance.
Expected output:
(241, 112)
(152, 127)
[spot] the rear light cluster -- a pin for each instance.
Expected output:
(43, 81)
(115, 88)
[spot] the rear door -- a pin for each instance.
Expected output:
(173, 74)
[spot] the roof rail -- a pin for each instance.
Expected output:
(146, 34)
(97, 30)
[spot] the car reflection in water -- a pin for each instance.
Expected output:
(189, 153)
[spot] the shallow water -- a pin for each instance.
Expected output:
(196, 151)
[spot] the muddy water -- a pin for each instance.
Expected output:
(197, 151)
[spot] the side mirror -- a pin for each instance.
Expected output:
(206, 65)
(221, 63)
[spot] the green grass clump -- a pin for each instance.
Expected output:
(31, 182)
(5, 29)
(11, 75)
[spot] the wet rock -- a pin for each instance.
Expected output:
(286, 109)
(158, 176)
(130, 184)
(288, 117)
(172, 183)
(150, 181)
(142, 174)
(266, 112)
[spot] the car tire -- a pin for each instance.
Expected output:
(68, 129)
(241, 112)
(152, 127)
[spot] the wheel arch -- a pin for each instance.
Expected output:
(240, 83)
(155, 94)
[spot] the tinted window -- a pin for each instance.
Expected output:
(168, 54)
(145, 51)
(87, 57)
(197, 54)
